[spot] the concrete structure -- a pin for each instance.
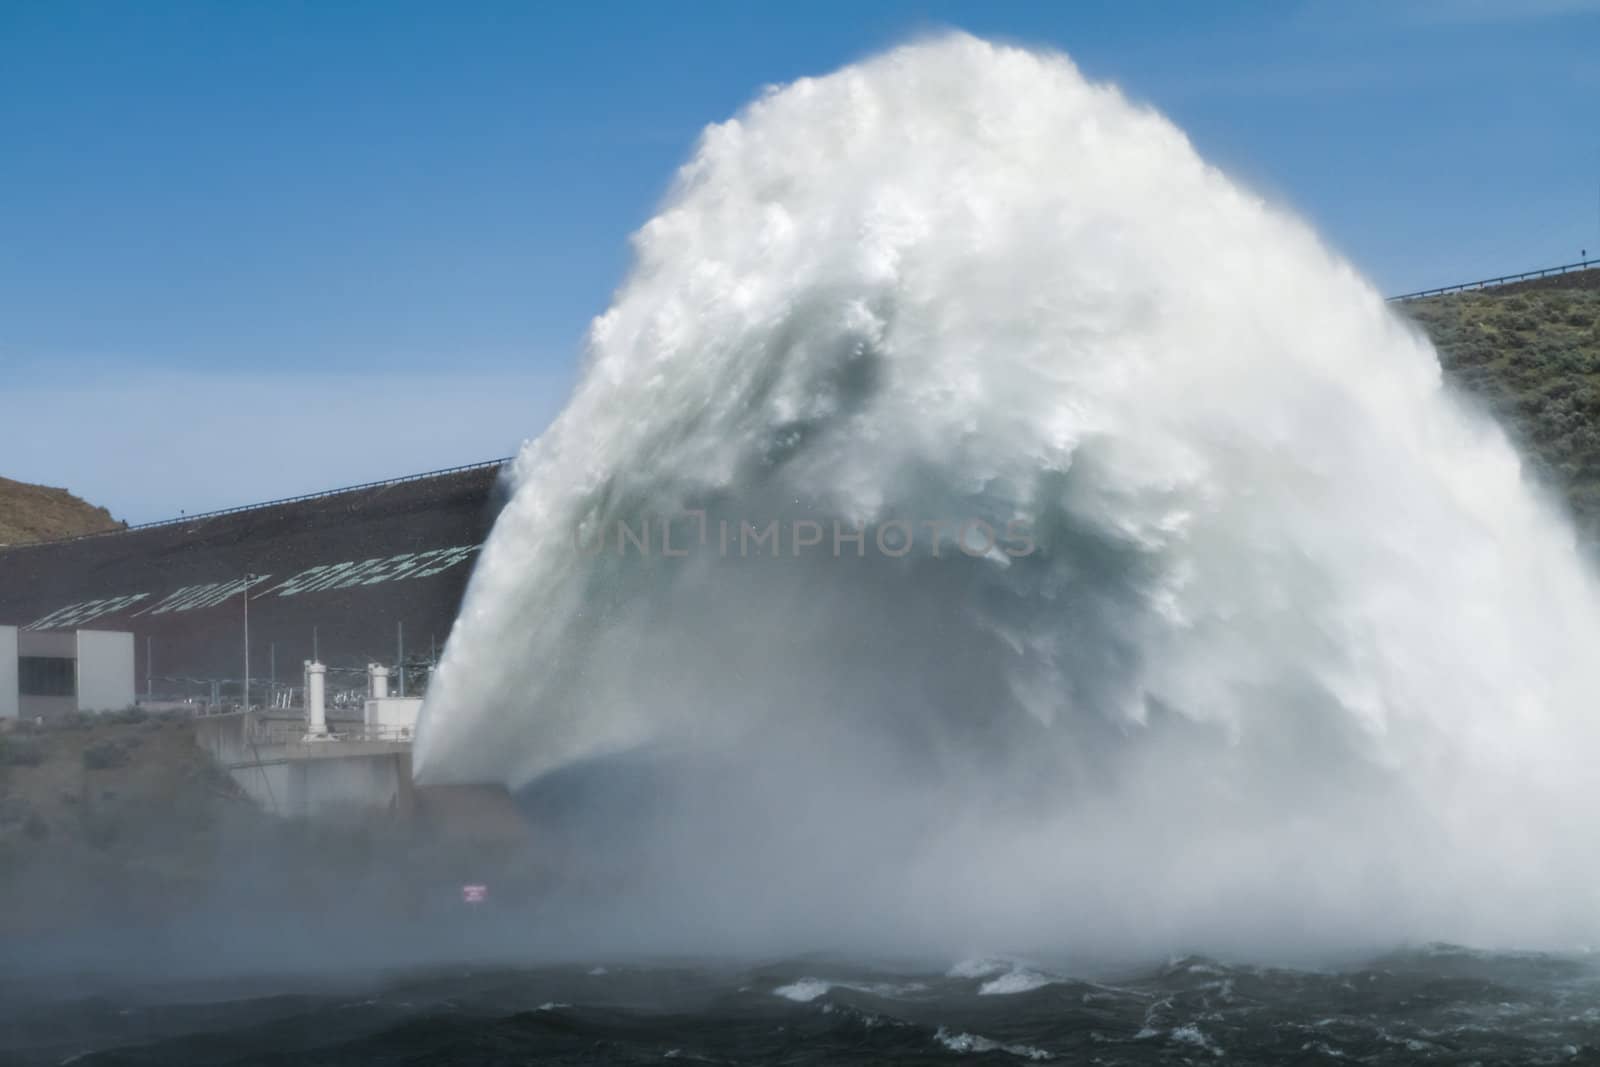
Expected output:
(393, 718)
(340, 578)
(105, 670)
(352, 768)
(51, 673)
(316, 702)
(9, 695)
(299, 762)
(290, 772)
(385, 717)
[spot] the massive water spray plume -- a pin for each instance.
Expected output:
(1294, 655)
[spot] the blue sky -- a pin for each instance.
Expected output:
(256, 249)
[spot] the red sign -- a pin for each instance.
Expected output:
(474, 894)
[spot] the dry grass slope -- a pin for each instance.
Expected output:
(93, 805)
(1531, 355)
(40, 513)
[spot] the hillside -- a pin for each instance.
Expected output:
(1531, 354)
(87, 811)
(40, 513)
(124, 849)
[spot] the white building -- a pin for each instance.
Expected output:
(387, 717)
(50, 673)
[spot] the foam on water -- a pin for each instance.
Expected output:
(803, 991)
(1298, 657)
(1020, 980)
(969, 1044)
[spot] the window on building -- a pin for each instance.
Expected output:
(47, 676)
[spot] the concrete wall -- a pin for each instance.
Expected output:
(224, 737)
(309, 779)
(56, 644)
(8, 672)
(270, 785)
(360, 784)
(395, 716)
(327, 787)
(105, 670)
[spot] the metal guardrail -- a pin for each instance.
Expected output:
(279, 732)
(207, 515)
(1505, 279)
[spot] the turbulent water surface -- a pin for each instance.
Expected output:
(1442, 1005)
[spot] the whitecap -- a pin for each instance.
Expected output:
(1020, 980)
(1192, 1035)
(976, 1043)
(804, 991)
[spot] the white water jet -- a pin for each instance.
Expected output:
(1300, 658)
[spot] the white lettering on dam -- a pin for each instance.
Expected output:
(321, 578)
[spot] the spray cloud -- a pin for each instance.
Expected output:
(1299, 660)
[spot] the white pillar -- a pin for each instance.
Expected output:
(377, 681)
(316, 711)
